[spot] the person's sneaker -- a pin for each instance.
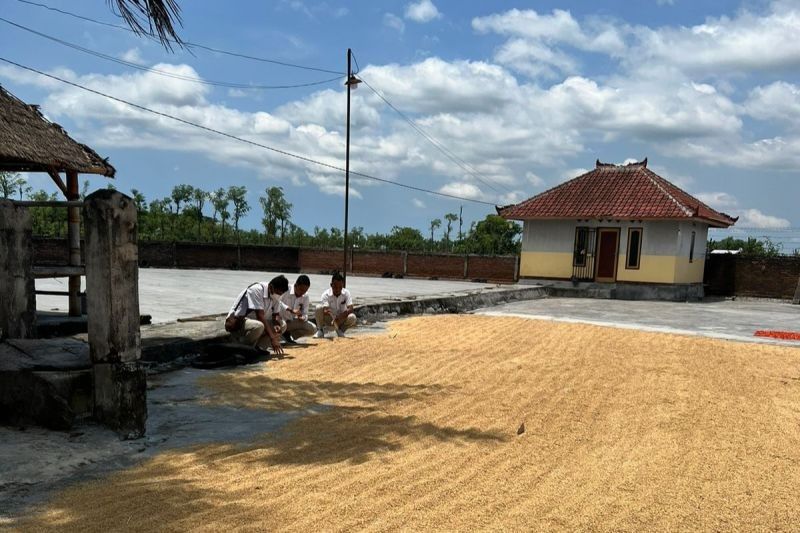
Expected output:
(288, 338)
(319, 334)
(340, 332)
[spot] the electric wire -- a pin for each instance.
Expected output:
(162, 72)
(185, 43)
(437, 144)
(247, 141)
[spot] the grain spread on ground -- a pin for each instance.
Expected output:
(419, 428)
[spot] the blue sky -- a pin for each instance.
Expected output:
(524, 95)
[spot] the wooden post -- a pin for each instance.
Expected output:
(74, 236)
(112, 292)
(796, 299)
(17, 288)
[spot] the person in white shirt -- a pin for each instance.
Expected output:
(255, 317)
(296, 312)
(336, 309)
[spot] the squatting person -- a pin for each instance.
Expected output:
(255, 318)
(336, 308)
(296, 312)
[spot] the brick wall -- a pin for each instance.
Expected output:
(376, 262)
(494, 268)
(293, 259)
(157, 254)
(435, 265)
(51, 251)
(734, 275)
(767, 278)
(315, 261)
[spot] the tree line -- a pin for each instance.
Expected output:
(192, 214)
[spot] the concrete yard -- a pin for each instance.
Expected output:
(168, 294)
(723, 319)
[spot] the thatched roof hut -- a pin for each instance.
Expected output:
(31, 143)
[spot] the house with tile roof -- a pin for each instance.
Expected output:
(621, 225)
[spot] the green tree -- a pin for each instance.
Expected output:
(751, 247)
(492, 235)
(10, 183)
(405, 238)
(237, 196)
(277, 212)
(435, 224)
(220, 202)
(199, 197)
(450, 218)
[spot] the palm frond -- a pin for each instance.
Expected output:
(156, 18)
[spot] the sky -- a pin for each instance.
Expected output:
(491, 102)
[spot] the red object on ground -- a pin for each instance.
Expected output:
(786, 335)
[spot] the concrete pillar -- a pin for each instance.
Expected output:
(17, 289)
(466, 266)
(112, 294)
(796, 299)
(405, 263)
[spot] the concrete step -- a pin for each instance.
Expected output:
(47, 382)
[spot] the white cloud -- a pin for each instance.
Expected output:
(419, 204)
(717, 200)
(665, 2)
(779, 101)
(463, 190)
(753, 218)
(746, 42)
(534, 180)
(534, 39)
(573, 173)
(393, 21)
(422, 11)
(133, 55)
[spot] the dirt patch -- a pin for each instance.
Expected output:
(419, 428)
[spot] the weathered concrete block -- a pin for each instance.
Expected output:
(120, 397)
(112, 290)
(112, 277)
(17, 290)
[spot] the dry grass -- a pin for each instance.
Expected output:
(625, 430)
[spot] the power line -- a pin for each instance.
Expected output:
(234, 137)
(437, 144)
(162, 72)
(185, 43)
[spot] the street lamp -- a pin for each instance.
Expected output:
(352, 82)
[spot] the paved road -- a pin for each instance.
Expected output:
(727, 319)
(168, 294)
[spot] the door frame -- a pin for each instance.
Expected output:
(599, 252)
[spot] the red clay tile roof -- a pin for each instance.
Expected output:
(617, 191)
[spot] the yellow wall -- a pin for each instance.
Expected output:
(652, 269)
(545, 265)
(686, 272)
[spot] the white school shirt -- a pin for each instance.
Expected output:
(292, 302)
(254, 298)
(337, 304)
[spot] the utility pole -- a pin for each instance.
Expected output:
(351, 82)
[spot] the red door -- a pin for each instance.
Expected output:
(607, 241)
